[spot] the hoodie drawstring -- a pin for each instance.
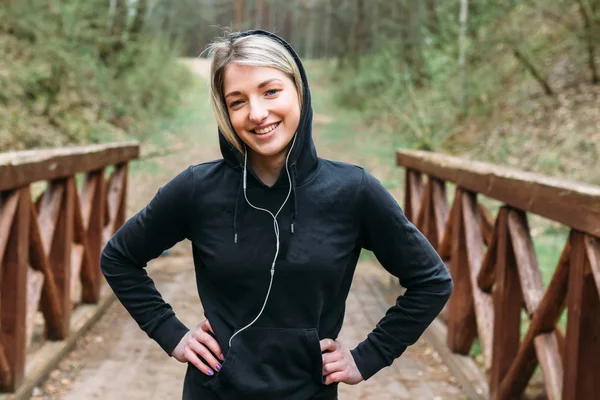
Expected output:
(235, 212)
(294, 200)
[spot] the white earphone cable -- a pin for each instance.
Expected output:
(275, 227)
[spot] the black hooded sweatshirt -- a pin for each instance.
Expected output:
(333, 211)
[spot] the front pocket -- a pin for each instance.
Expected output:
(273, 361)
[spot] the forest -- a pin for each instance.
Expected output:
(513, 82)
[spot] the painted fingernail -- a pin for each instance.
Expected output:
(210, 372)
(218, 367)
(222, 357)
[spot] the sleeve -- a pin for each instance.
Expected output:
(404, 252)
(157, 227)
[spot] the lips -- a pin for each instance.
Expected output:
(265, 130)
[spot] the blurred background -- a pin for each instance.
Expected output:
(511, 82)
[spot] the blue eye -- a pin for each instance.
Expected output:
(272, 92)
(235, 103)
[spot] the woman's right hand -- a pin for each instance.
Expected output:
(198, 342)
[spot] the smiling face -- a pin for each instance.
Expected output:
(263, 108)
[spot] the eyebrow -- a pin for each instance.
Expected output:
(260, 86)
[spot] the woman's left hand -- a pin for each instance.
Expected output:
(338, 364)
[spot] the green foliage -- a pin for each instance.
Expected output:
(409, 79)
(70, 74)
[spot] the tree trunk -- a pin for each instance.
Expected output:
(259, 19)
(140, 17)
(238, 9)
(433, 22)
(273, 16)
(309, 18)
(589, 40)
(326, 38)
(462, 44)
(120, 19)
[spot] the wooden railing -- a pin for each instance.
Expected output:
(496, 275)
(50, 244)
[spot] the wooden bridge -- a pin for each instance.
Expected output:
(59, 207)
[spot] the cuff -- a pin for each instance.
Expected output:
(169, 333)
(369, 359)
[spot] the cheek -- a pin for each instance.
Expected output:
(292, 112)
(237, 121)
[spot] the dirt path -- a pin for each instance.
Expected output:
(116, 360)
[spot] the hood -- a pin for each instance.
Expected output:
(303, 157)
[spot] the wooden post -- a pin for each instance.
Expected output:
(582, 361)
(60, 254)
(92, 210)
(484, 308)
(412, 194)
(440, 207)
(462, 327)
(122, 211)
(507, 307)
(13, 294)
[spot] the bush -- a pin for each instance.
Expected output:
(70, 75)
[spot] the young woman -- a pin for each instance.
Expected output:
(276, 234)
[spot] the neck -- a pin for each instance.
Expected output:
(269, 168)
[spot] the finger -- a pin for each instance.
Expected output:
(209, 342)
(206, 326)
(332, 367)
(328, 344)
(193, 358)
(203, 352)
(339, 376)
(332, 357)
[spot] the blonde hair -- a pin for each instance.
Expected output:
(257, 50)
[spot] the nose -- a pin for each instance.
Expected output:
(258, 112)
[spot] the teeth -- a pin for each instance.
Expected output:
(266, 130)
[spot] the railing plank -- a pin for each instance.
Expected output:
(24, 167)
(583, 328)
(508, 299)
(424, 219)
(49, 210)
(412, 194)
(483, 301)
(544, 320)
(573, 204)
(592, 247)
(8, 208)
(487, 274)
(77, 259)
(83, 264)
(462, 326)
(487, 223)
(13, 294)
(548, 355)
(116, 194)
(445, 247)
(38, 257)
(5, 372)
(60, 255)
(93, 209)
(440, 210)
(527, 265)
